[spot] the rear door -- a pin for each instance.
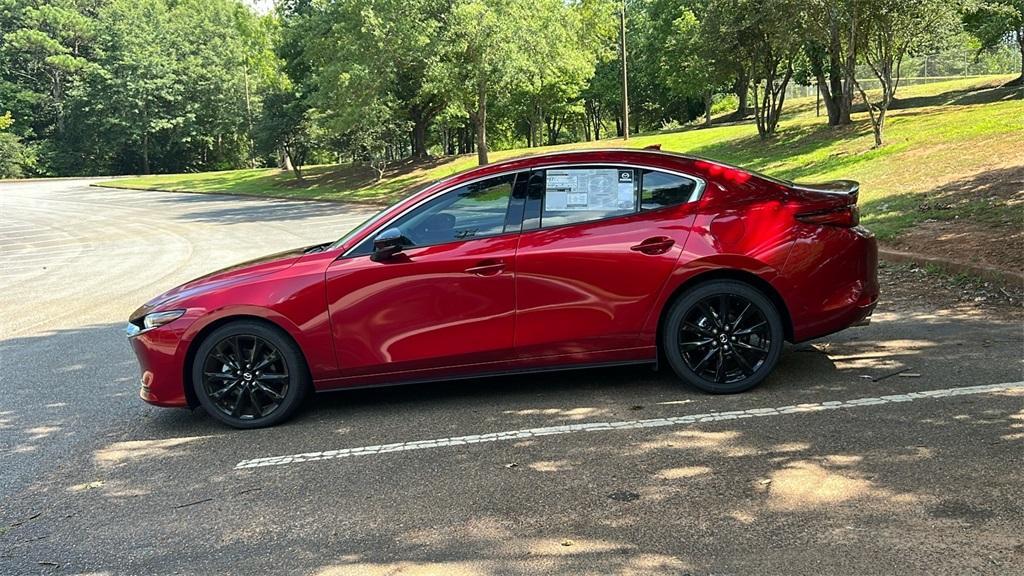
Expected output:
(598, 243)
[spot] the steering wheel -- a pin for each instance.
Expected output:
(435, 228)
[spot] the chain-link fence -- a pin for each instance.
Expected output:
(948, 65)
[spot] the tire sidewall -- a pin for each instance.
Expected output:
(670, 335)
(298, 383)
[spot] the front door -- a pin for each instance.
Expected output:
(447, 299)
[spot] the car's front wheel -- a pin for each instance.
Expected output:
(249, 375)
(723, 337)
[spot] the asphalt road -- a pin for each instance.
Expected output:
(596, 471)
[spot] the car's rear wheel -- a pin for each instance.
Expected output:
(249, 375)
(723, 337)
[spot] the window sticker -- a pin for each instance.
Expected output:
(627, 193)
(579, 189)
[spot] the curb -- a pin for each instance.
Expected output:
(952, 266)
(61, 179)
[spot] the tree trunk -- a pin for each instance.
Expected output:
(1020, 42)
(419, 138)
(294, 161)
(840, 87)
(848, 72)
(878, 126)
(826, 88)
(480, 120)
(145, 153)
(877, 119)
(250, 142)
(707, 108)
(741, 88)
(286, 160)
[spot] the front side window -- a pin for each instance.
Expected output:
(574, 195)
(472, 211)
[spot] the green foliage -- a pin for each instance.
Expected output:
(944, 136)
(133, 86)
(993, 21)
(16, 159)
(892, 29)
(130, 86)
(288, 126)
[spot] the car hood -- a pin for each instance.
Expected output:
(229, 276)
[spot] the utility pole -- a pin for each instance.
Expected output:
(625, 85)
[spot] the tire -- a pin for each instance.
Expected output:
(723, 357)
(249, 374)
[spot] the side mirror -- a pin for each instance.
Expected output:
(387, 244)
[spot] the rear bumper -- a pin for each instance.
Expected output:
(845, 290)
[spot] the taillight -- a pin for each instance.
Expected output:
(845, 217)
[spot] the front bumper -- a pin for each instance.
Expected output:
(161, 354)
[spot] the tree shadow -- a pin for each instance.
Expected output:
(779, 153)
(228, 209)
(867, 483)
(992, 197)
(957, 98)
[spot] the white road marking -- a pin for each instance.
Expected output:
(623, 425)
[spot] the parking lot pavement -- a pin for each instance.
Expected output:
(834, 465)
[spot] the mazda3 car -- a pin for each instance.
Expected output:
(550, 262)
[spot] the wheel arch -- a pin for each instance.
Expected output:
(734, 274)
(205, 331)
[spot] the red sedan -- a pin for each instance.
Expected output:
(564, 260)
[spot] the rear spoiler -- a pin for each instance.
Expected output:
(848, 188)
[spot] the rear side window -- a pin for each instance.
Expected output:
(574, 195)
(660, 189)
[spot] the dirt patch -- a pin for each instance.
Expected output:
(907, 286)
(991, 231)
(965, 242)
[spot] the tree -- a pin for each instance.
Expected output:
(125, 86)
(288, 124)
(692, 63)
(482, 51)
(993, 21)
(831, 49)
(15, 157)
(546, 88)
(389, 47)
(772, 31)
(892, 29)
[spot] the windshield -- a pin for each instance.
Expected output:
(371, 221)
(366, 224)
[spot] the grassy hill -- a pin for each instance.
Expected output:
(941, 137)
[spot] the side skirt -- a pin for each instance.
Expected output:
(510, 372)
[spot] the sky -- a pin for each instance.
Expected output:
(261, 6)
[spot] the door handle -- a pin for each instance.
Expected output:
(654, 245)
(487, 268)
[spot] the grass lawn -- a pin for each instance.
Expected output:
(942, 139)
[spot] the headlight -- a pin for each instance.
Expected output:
(160, 318)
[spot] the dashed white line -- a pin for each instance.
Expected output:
(623, 425)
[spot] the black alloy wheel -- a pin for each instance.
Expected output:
(249, 375)
(723, 337)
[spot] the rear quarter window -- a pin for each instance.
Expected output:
(661, 189)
